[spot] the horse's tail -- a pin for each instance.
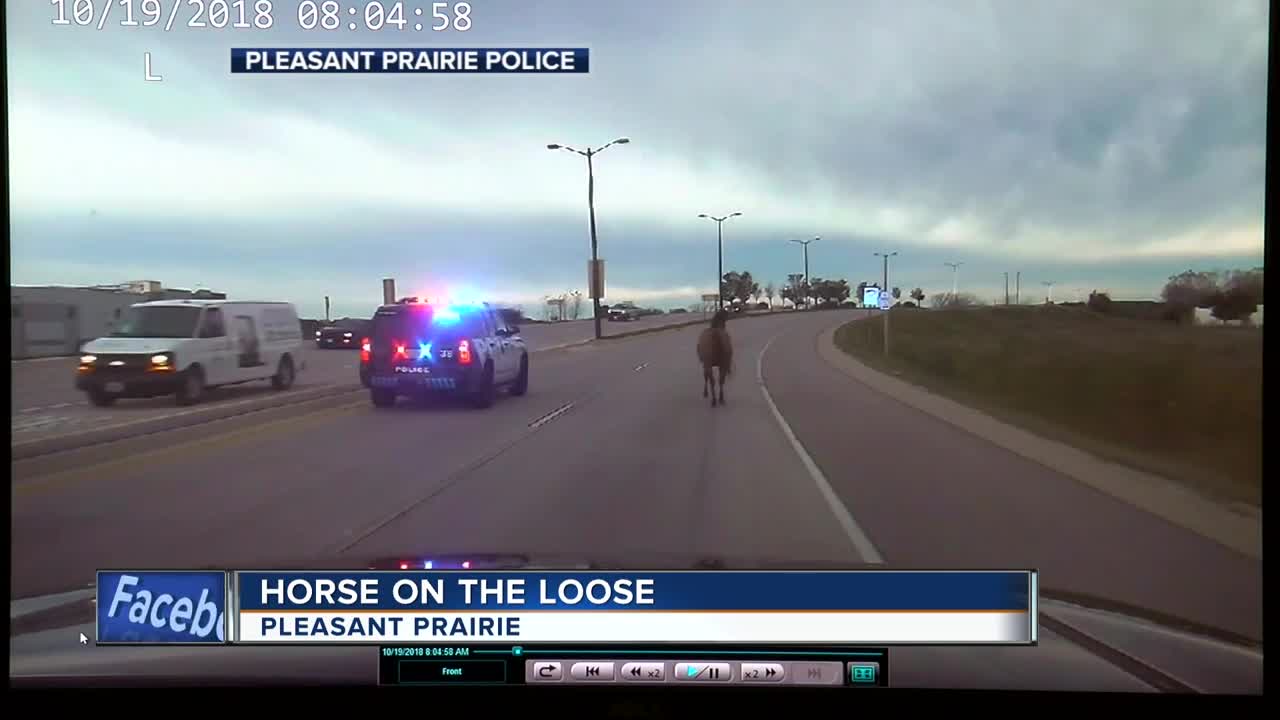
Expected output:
(724, 347)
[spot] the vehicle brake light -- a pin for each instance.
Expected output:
(402, 351)
(464, 352)
(365, 349)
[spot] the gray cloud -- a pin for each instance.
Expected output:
(1034, 128)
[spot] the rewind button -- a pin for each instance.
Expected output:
(763, 672)
(644, 672)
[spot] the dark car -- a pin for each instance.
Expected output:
(416, 349)
(344, 333)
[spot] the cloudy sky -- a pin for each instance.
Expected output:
(1103, 145)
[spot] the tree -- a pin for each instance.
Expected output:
(1248, 282)
(788, 292)
(1191, 289)
(769, 292)
(738, 286)
(897, 293)
(917, 295)
(575, 304)
(797, 284)
(1099, 302)
(959, 300)
(1236, 303)
(862, 291)
(756, 292)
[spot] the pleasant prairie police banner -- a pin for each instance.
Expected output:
(858, 607)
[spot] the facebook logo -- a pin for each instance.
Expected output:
(162, 607)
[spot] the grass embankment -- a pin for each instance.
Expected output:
(1182, 402)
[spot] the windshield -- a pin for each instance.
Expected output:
(986, 279)
(422, 323)
(158, 322)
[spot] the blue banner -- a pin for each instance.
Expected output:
(636, 591)
(165, 606)
(411, 60)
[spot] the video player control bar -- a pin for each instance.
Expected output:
(590, 672)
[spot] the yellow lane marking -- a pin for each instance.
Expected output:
(182, 451)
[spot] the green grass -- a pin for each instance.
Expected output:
(1182, 402)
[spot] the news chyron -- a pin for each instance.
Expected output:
(854, 607)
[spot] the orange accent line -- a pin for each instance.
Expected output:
(522, 611)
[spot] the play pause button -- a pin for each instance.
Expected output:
(644, 671)
(703, 672)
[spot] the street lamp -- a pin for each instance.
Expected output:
(596, 285)
(805, 243)
(955, 269)
(885, 288)
(720, 252)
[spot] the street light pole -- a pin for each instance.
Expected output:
(955, 270)
(1049, 284)
(719, 253)
(807, 289)
(885, 288)
(595, 280)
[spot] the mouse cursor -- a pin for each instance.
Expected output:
(83, 640)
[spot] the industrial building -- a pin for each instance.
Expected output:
(53, 320)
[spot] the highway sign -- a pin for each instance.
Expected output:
(884, 299)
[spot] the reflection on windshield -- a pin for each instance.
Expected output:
(158, 322)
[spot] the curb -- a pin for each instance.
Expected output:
(125, 431)
(1143, 490)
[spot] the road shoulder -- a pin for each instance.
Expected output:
(1148, 492)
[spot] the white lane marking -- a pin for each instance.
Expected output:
(861, 543)
(59, 406)
(43, 359)
(550, 416)
(640, 367)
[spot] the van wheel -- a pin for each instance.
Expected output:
(382, 398)
(483, 396)
(101, 398)
(283, 379)
(192, 388)
(521, 385)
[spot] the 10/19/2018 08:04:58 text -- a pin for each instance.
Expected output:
(261, 15)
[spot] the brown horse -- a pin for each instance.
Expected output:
(715, 350)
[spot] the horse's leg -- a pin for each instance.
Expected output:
(720, 377)
(706, 379)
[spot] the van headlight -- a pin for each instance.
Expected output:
(161, 360)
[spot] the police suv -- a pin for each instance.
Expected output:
(417, 348)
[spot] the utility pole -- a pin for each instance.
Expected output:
(1006, 287)
(807, 289)
(1017, 288)
(884, 289)
(326, 308)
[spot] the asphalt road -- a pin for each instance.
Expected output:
(634, 461)
(45, 401)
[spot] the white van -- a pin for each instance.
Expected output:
(183, 347)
